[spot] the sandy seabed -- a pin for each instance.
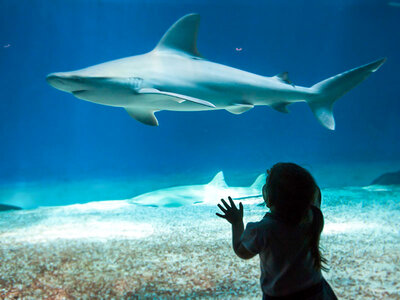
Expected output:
(115, 250)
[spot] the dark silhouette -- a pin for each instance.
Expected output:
(4, 207)
(388, 179)
(287, 238)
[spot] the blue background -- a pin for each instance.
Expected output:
(47, 134)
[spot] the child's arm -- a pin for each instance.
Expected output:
(235, 217)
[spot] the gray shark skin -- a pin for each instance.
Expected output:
(175, 77)
(207, 194)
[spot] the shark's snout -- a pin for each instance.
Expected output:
(65, 82)
(55, 81)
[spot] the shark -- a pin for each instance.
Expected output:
(207, 194)
(174, 76)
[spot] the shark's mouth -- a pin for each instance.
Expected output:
(91, 95)
(78, 92)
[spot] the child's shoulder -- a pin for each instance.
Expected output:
(271, 222)
(266, 222)
(270, 218)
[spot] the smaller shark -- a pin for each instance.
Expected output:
(208, 194)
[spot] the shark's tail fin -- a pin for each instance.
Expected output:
(326, 92)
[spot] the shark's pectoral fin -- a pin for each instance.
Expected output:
(144, 116)
(238, 109)
(281, 107)
(176, 97)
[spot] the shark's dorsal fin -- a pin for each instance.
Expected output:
(284, 77)
(182, 36)
(219, 180)
(259, 182)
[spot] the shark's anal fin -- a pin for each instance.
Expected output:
(178, 97)
(281, 107)
(238, 109)
(182, 36)
(144, 116)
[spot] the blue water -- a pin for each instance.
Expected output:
(56, 150)
(46, 134)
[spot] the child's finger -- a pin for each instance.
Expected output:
(231, 201)
(226, 204)
(221, 208)
(221, 216)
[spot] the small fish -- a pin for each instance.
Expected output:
(239, 49)
(6, 46)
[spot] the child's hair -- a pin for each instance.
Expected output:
(292, 190)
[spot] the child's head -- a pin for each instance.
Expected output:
(289, 190)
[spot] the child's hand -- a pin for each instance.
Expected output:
(232, 214)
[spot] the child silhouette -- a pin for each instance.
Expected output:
(287, 238)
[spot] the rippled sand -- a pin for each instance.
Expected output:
(116, 250)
